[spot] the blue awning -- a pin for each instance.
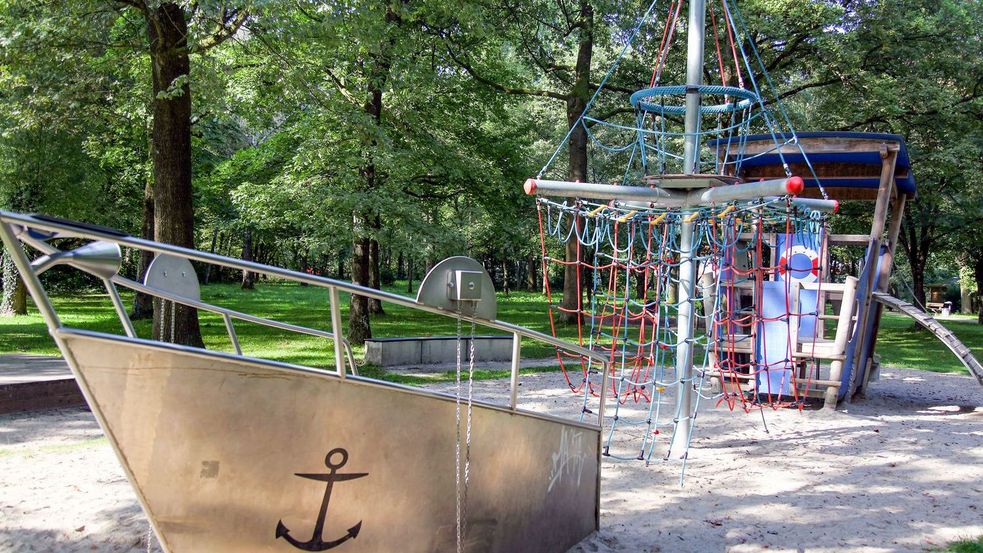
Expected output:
(826, 160)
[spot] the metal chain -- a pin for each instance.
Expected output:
(467, 446)
(173, 317)
(462, 489)
(457, 444)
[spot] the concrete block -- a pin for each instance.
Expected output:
(493, 348)
(388, 352)
(441, 349)
(432, 350)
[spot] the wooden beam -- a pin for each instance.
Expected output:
(884, 281)
(824, 145)
(849, 239)
(889, 158)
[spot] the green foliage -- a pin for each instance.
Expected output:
(899, 344)
(474, 98)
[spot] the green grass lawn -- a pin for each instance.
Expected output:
(900, 342)
(287, 302)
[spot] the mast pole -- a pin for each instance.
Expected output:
(687, 272)
(695, 31)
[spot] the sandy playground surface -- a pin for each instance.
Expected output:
(899, 471)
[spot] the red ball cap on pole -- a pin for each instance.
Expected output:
(530, 187)
(795, 185)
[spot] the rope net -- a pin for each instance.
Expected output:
(756, 299)
(749, 258)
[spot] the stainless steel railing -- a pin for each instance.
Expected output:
(18, 228)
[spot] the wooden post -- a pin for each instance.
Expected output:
(889, 158)
(884, 281)
(840, 340)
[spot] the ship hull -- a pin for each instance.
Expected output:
(230, 454)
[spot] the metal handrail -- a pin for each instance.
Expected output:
(141, 244)
(229, 314)
(23, 224)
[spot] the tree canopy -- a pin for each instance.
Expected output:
(368, 140)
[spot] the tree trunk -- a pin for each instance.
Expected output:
(14, 298)
(375, 268)
(577, 145)
(19, 303)
(978, 273)
(209, 267)
(248, 277)
(358, 314)
(531, 281)
(965, 299)
(143, 304)
(918, 281)
(171, 150)
(505, 277)
(409, 275)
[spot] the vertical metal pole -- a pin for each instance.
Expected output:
(687, 273)
(603, 395)
(230, 328)
(694, 79)
(339, 340)
(684, 345)
(516, 358)
(124, 318)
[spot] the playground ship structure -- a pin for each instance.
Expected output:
(700, 252)
(728, 266)
(230, 453)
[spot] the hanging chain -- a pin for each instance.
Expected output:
(457, 444)
(467, 442)
(461, 488)
(173, 319)
(162, 330)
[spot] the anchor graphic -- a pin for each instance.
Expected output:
(316, 543)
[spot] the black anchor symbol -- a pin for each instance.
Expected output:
(316, 543)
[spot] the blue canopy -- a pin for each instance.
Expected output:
(841, 159)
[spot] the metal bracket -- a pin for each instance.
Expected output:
(459, 284)
(173, 274)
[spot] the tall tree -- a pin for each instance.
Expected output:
(913, 72)
(168, 32)
(523, 27)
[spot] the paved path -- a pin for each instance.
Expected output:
(17, 368)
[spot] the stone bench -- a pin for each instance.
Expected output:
(432, 350)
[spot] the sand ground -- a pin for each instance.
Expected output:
(901, 470)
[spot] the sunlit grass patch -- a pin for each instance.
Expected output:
(900, 342)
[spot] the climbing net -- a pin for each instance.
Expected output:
(627, 264)
(749, 257)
